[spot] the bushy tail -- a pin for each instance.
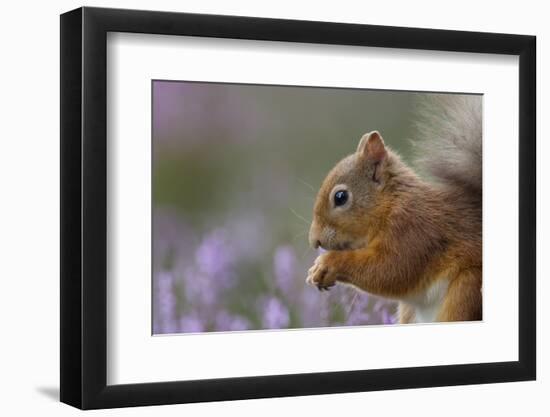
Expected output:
(448, 146)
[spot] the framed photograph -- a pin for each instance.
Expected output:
(258, 208)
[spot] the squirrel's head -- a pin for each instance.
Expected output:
(349, 194)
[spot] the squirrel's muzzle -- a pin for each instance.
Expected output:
(314, 235)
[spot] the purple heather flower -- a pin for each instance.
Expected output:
(212, 274)
(274, 314)
(230, 322)
(355, 304)
(165, 303)
(284, 265)
(379, 305)
(214, 258)
(359, 318)
(204, 276)
(191, 324)
(200, 289)
(314, 307)
(387, 318)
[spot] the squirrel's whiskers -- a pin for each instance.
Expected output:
(308, 185)
(308, 222)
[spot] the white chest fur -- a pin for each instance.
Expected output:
(427, 304)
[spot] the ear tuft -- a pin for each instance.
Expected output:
(371, 147)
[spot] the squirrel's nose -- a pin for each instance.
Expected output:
(314, 239)
(314, 242)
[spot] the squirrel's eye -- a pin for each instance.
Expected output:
(340, 198)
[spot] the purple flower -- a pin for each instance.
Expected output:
(314, 307)
(214, 256)
(198, 281)
(165, 304)
(228, 322)
(212, 274)
(191, 324)
(357, 309)
(380, 305)
(388, 318)
(284, 265)
(200, 289)
(274, 314)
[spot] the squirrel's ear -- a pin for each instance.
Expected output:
(371, 150)
(371, 147)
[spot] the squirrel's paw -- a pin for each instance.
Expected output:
(320, 274)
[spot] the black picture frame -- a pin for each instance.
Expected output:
(84, 207)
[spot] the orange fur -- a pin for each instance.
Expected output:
(398, 235)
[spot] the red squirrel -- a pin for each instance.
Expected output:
(389, 232)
